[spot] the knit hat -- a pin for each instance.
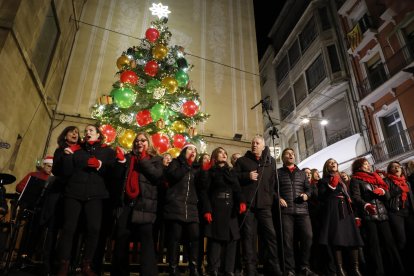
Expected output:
(188, 145)
(48, 160)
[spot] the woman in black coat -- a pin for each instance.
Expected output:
(401, 211)
(338, 230)
(370, 194)
(221, 205)
(142, 171)
(85, 168)
(180, 207)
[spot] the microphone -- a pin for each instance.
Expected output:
(261, 101)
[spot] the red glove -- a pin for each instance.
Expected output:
(120, 154)
(190, 160)
(379, 191)
(358, 222)
(72, 149)
(208, 217)
(206, 166)
(334, 181)
(371, 209)
(242, 208)
(93, 162)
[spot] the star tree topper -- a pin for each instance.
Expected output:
(159, 10)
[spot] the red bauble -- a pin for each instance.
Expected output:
(143, 117)
(161, 142)
(129, 77)
(108, 132)
(189, 109)
(179, 141)
(151, 68)
(152, 34)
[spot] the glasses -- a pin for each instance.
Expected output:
(140, 140)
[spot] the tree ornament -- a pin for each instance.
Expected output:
(152, 34)
(159, 52)
(176, 107)
(170, 84)
(143, 117)
(192, 131)
(104, 99)
(174, 152)
(152, 85)
(124, 97)
(170, 60)
(122, 61)
(189, 108)
(182, 63)
(141, 61)
(126, 119)
(158, 93)
(133, 63)
(161, 142)
(158, 111)
(108, 132)
(178, 126)
(182, 78)
(151, 68)
(97, 113)
(178, 141)
(129, 76)
(160, 123)
(127, 139)
(142, 83)
(145, 45)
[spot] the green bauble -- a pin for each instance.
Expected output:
(152, 85)
(158, 111)
(124, 97)
(182, 78)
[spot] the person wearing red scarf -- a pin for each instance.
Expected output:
(401, 211)
(141, 171)
(370, 194)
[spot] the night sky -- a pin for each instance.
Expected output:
(265, 13)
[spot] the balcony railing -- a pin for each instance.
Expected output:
(385, 71)
(338, 136)
(394, 146)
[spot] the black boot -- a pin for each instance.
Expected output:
(86, 268)
(173, 268)
(194, 269)
(339, 264)
(355, 263)
(63, 268)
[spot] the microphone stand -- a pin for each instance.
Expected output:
(274, 133)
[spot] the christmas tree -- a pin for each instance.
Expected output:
(153, 94)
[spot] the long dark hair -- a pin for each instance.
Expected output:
(395, 162)
(325, 171)
(61, 140)
(101, 139)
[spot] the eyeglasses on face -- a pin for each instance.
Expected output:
(140, 140)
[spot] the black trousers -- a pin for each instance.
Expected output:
(144, 232)
(92, 210)
(301, 225)
(378, 235)
(252, 219)
(215, 248)
(175, 229)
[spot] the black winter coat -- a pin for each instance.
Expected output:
(292, 185)
(395, 203)
(265, 185)
(181, 197)
(150, 175)
(221, 196)
(362, 193)
(85, 183)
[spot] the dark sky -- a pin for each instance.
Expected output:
(265, 13)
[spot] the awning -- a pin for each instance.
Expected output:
(344, 152)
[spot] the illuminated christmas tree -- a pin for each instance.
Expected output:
(153, 94)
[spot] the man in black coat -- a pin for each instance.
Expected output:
(256, 172)
(294, 191)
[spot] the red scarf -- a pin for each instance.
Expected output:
(402, 183)
(132, 185)
(371, 178)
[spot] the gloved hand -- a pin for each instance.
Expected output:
(334, 180)
(120, 154)
(93, 162)
(371, 209)
(242, 208)
(358, 222)
(206, 166)
(190, 160)
(379, 191)
(72, 149)
(208, 217)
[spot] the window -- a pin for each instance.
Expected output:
(375, 72)
(394, 134)
(315, 73)
(282, 70)
(300, 90)
(409, 35)
(294, 53)
(365, 23)
(46, 43)
(286, 105)
(333, 59)
(324, 17)
(339, 126)
(308, 35)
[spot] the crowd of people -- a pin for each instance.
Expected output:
(288, 221)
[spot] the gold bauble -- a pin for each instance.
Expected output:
(178, 126)
(126, 140)
(170, 84)
(159, 51)
(122, 61)
(174, 152)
